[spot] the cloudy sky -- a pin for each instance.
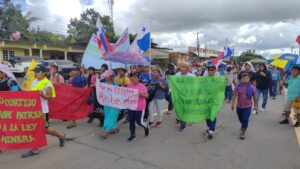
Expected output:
(268, 26)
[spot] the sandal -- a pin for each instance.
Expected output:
(104, 135)
(71, 126)
(115, 131)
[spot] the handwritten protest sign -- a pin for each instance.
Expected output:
(197, 98)
(21, 121)
(118, 97)
(70, 103)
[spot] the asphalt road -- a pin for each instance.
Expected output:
(268, 145)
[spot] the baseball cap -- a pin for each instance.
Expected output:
(296, 67)
(136, 74)
(39, 68)
(211, 67)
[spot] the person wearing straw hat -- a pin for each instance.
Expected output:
(121, 79)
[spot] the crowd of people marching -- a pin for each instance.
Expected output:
(243, 89)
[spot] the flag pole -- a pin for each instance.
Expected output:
(150, 52)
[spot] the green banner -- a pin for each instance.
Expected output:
(197, 98)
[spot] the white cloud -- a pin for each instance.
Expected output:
(249, 40)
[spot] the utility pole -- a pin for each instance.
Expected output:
(292, 49)
(198, 44)
(205, 46)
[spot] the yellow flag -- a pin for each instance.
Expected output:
(29, 77)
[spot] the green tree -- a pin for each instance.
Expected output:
(247, 56)
(81, 30)
(12, 20)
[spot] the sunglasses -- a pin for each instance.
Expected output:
(211, 69)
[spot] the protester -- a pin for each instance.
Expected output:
(262, 79)
(77, 81)
(276, 80)
(170, 71)
(136, 116)
(184, 71)
(145, 79)
(247, 68)
(110, 113)
(243, 94)
(211, 124)
(230, 80)
(56, 78)
(91, 83)
(293, 95)
(156, 103)
(7, 80)
(47, 92)
(121, 79)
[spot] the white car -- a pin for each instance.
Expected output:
(22, 64)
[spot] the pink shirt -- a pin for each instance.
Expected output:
(60, 79)
(142, 89)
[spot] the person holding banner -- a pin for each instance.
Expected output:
(137, 115)
(7, 80)
(47, 92)
(77, 81)
(184, 71)
(111, 114)
(244, 93)
(211, 124)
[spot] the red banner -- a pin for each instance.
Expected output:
(21, 121)
(70, 103)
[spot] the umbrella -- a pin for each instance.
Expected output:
(284, 61)
(127, 57)
(5, 69)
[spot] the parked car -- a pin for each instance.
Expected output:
(64, 66)
(19, 64)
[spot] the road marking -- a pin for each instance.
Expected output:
(297, 129)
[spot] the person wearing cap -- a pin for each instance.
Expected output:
(111, 114)
(47, 92)
(137, 115)
(293, 95)
(184, 71)
(121, 79)
(262, 79)
(211, 124)
(78, 80)
(56, 78)
(243, 95)
(159, 95)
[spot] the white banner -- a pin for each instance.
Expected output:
(118, 97)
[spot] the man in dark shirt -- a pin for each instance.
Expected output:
(262, 79)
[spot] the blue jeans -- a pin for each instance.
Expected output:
(244, 115)
(273, 88)
(228, 92)
(211, 124)
(264, 92)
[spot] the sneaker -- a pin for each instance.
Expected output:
(262, 110)
(210, 134)
(254, 112)
(229, 101)
(285, 121)
(297, 124)
(29, 154)
(147, 131)
(274, 98)
(181, 129)
(62, 141)
(131, 138)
